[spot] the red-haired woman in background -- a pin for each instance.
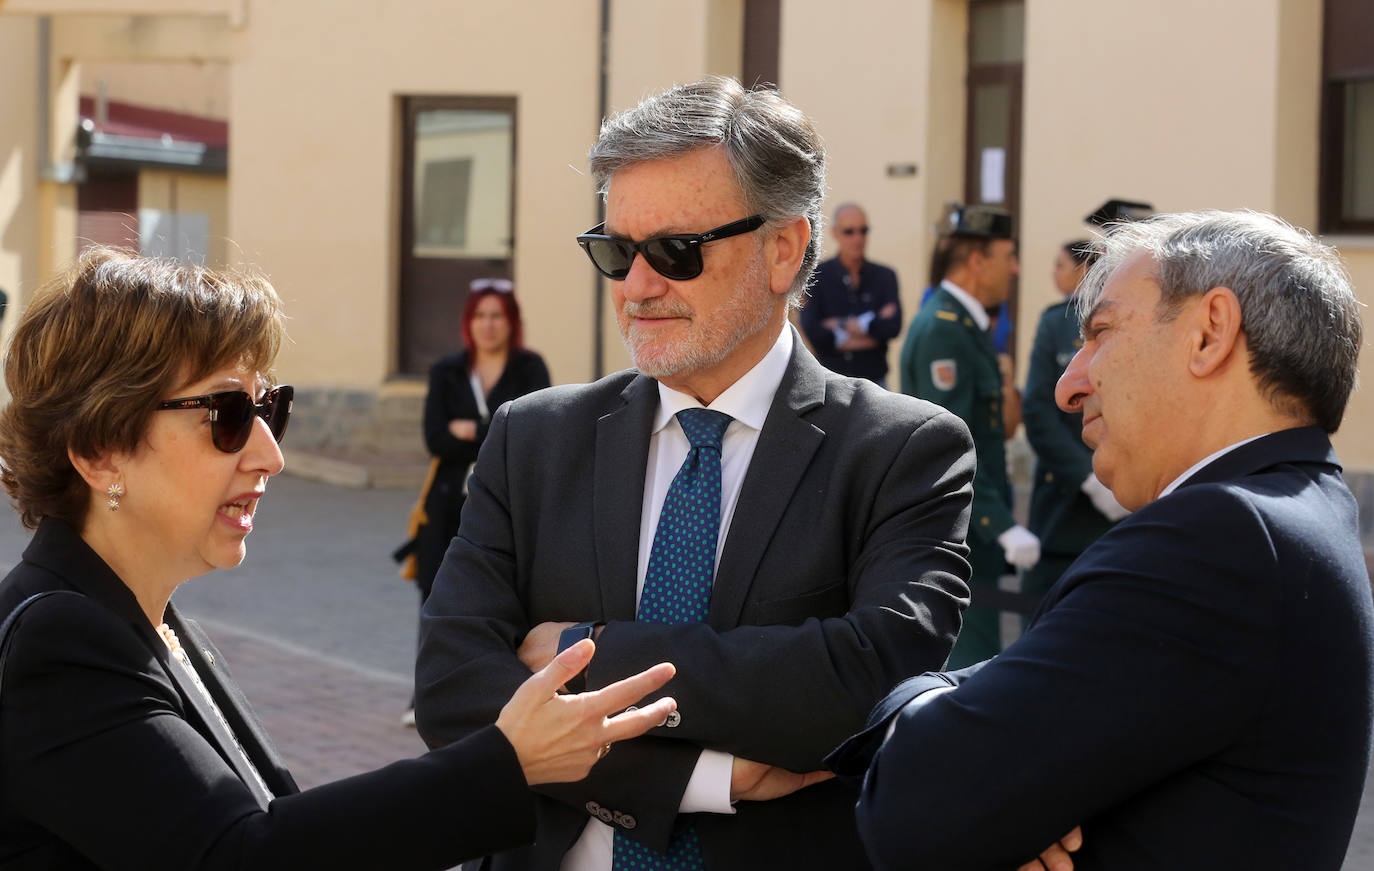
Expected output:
(465, 388)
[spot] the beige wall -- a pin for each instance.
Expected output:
(191, 194)
(1219, 114)
(120, 7)
(314, 164)
(194, 88)
(19, 224)
(868, 90)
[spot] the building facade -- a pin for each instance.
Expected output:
(381, 154)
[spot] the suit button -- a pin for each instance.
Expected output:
(628, 822)
(985, 521)
(673, 719)
(1049, 476)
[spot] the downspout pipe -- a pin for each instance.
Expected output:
(602, 91)
(62, 173)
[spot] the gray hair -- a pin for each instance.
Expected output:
(774, 150)
(1298, 310)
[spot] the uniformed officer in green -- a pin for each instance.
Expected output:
(949, 359)
(1069, 507)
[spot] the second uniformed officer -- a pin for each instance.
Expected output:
(948, 358)
(1069, 507)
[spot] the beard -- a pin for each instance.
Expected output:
(709, 338)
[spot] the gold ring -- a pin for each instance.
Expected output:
(605, 748)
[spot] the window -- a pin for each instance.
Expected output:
(1347, 176)
(457, 216)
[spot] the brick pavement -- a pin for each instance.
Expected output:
(332, 716)
(329, 718)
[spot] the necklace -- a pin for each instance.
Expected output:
(169, 638)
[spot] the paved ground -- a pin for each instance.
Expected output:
(320, 632)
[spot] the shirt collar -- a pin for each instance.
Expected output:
(975, 308)
(1197, 467)
(747, 400)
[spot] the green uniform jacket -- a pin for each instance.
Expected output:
(1060, 513)
(948, 360)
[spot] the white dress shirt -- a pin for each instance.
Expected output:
(1196, 467)
(747, 401)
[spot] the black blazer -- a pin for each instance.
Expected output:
(450, 397)
(1195, 691)
(110, 758)
(842, 573)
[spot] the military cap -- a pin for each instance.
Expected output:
(1118, 211)
(983, 222)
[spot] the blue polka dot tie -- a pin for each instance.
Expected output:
(677, 589)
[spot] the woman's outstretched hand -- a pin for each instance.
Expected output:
(559, 737)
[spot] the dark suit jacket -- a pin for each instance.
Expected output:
(842, 573)
(830, 296)
(111, 758)
(1196, 692)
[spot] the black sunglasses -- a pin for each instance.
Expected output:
(850, 231)
(232, 413)
(677, 257)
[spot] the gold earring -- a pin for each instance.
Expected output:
(114, 492)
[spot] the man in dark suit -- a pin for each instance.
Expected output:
(840, 510)
(854, 308)
(1195, 692)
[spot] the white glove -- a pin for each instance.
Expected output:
(1102, 498)
(1021, 546)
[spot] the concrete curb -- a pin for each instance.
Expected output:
(359, 472)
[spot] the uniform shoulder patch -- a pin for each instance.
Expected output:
(946, 315)
(944, 374)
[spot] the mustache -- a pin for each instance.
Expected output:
(656, 309)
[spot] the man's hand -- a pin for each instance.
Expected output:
(754, 781)
(558, 738)
(541, 645)
(857, 342)
(1056, 856)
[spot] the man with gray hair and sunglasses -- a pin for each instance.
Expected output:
(791, 539)
(1195, 691)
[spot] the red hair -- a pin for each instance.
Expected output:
(508, 304)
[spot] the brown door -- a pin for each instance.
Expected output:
(457, 216)
(992, 165)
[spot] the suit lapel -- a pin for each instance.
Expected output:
(202, 713)
(234, 706)
(618, 468)
(59, 549)
(784, 451)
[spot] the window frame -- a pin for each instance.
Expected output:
(1341, 19)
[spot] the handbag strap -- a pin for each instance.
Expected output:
(7, 627)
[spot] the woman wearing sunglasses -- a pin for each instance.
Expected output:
(465, 388)
(140, 437)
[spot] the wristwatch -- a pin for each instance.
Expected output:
(567, 638)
